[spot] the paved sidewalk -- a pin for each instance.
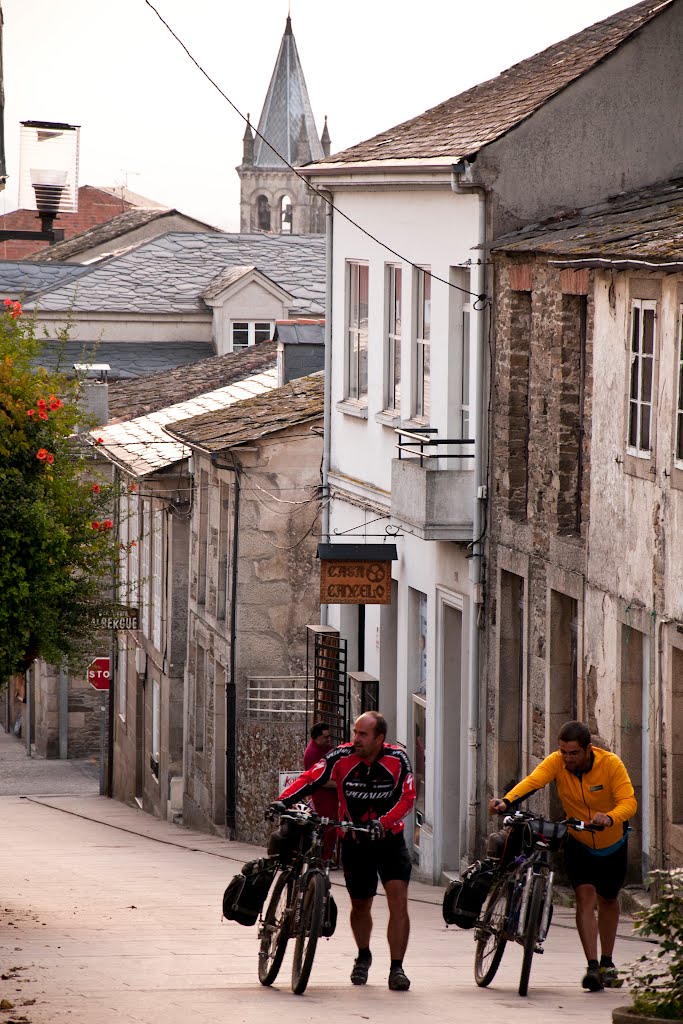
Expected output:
(108, 915)
(21, 774)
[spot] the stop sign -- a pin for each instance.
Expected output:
(99, 672)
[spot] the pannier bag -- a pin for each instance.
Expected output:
(247, 892)
(330, 921)
(465, 897)
(551, 833)
(289, 838)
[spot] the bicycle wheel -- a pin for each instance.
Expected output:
(492, 937)
(532, 928)
(274, 932)
(308, 932)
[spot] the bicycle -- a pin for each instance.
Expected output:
(300, 901)
(519, 907)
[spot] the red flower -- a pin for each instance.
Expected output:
(95, 525)
(41, 454)
(41, 403)
(50, 458)
(133, 543)
(96, 488)
(133, 487)
(8, 303)
(31, 412)
(55, 405)
(42, 415)
(99, 440)
(107, 524)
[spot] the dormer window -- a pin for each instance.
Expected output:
(245, 333)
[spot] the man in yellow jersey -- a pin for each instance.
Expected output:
(593, 785)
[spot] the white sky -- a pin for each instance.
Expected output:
(149, 118)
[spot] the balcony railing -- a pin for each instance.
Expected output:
(433, 499)
(420, 440)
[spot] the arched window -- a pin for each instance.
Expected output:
(263, 213)
(286, 215)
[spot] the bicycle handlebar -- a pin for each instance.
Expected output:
(317, 819)
(518, 816)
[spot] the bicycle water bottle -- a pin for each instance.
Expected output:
(515, 907)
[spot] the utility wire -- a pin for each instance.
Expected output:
(479, 298)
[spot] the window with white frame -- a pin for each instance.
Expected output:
(203, 537)
(357, 329)
(465, 381)
(134, 548)
(157, 576)
(200, 698)
(122, 674)
(244, 333)
(423, 322)
(641, 389)
(679, 408)
(223, 551)
(145, 560)
(394, 276)
(124, 595)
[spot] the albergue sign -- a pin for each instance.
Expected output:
(355, 582)
(115, 619)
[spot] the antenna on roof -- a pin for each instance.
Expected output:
(124, 184)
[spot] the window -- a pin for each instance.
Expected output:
(200, 698)
(223, 551)
(393, 339)
(643, 313)
(203, 536)
(423, 307)
(286, 215)
(124, 595)
(263, 213)
(357, 338)
(156, 717)
(145, 553)
(157, 577)
(245, 333)
(133, 541)
(122, 674)
(679, 410)
(465, 380)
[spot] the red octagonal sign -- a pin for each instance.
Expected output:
(99, 672)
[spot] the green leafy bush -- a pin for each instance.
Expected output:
(57, 545)
(656, 978)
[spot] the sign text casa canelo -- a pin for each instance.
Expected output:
(355, 582)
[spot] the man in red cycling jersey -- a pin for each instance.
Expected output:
(375, 787)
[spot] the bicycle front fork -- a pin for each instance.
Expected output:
(547, 903)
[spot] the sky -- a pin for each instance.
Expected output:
(152, 122)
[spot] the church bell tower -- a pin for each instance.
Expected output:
(272, 198)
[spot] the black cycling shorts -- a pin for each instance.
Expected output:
(364, 862)
(607, 873)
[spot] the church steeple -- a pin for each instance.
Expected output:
(273, 197)
(286, 108)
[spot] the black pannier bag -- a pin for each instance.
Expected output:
(330, 921)
(247, 892)
(465, 897)
(289, 838)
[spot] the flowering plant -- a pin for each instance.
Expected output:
(656, 978)
(53, 565)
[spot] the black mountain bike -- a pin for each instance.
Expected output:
(301, 902)
(519, 907)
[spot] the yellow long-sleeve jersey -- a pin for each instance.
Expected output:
(606, 788)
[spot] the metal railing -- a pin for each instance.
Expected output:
(273, 697)
(419, 440)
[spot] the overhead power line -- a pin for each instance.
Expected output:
(482, 299)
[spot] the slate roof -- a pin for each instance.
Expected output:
(295, 403)
(168, 274)
(643, 226)
(143, 446)
(18, 277)
(462, 125)
(108, 231)
(147, 395)
(287, 117)
(300, 332)
(129, 360)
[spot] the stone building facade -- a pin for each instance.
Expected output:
(583, 606)
(273, 198)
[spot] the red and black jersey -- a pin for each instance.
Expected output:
(382, 789)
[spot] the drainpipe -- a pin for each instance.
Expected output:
(461, 183)
(63, 712)
(327, 407)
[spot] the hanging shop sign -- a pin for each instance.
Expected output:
(355, 573)
(115, 618)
